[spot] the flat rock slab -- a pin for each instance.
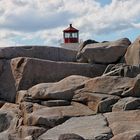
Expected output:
(132, 115)
(123, 121)
(28, 71)
(41, 52)
(100, 103)
(114, 85)
(49, 117)
(124, 126)
(88, 127)
(131, 135)
(62, 90)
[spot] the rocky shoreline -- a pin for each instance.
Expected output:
(49, 93)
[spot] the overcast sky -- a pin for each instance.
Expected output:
(41, 22)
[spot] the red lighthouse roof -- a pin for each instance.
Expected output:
(70, 29)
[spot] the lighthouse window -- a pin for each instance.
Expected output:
(67, 35)
(71, 35)
(74, 35)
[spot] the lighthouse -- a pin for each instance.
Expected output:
(70, 38)
(71, 35)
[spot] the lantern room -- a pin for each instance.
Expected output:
(71, 35)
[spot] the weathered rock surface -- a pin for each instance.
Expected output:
(130, 135)
(99, 103)
(122, 70)
(26, 107)
(29, 107)
(41, 52)
(114, 85)
(34, 131)
(70, 137)
(132, 56)
(123, 121)
(10, 121)
(104, 53)
(129, 103)
(21, 96)
(28, 72)
(82, 45)
(88, 127)
(29, 138)
(50, 117)
(2, 103)
(7, 83)
(106, 104)
(62, 90)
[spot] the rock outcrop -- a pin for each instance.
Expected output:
(46, 95)
(104, 53)
(28, 72)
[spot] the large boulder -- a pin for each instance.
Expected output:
(104, 53)
(88, 127)
(123, 121)
(62, 90)
(41, 52)
(114, 85)
(28, 72)
(7, 82)
(132, 56)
